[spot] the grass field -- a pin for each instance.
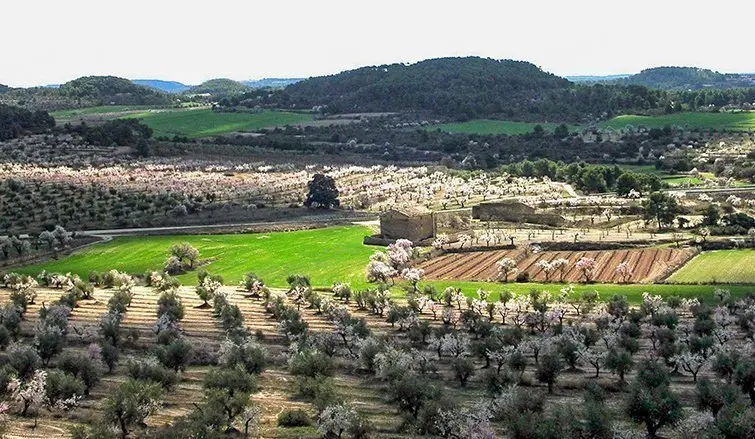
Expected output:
(719, 121)
(104, 109)
(205, 122)
(326, 255)
(494, 127)
(724, 266)
(673, 179)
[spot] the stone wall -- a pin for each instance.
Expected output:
(398, 225)
(515, 212)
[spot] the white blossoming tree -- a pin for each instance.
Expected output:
(587, 267)
(506, 267)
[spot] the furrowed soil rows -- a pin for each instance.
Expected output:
(646, 265)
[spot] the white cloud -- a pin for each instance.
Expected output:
(190, 41)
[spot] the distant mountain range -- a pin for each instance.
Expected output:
(675, 78)
(595, 78)
(688, 78)
(166, 86)
(458, 88)
(224, 84)
(272, 82)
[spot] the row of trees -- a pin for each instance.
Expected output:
(551, 339)
(504, 345)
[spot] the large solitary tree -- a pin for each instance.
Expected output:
(322, 192)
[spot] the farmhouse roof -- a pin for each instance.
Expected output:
(409, 211)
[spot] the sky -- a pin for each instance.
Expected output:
(53, 41)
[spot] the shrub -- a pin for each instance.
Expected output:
(110, 328)
(11, 319)
(175, 355)
(230, 380)
(109, 355)
(49, 341)
(311, 363)
(651, 401)
(320, 390)
(96, 278)
(7, 374)
(81, 366)
(119, 302)
(247, 353)
(463, 369)
(495, 381)
(294, 418)
(24, 359)
(130, 404)
(63, 389)
(5, 337)
(170, 304)
(150, 369)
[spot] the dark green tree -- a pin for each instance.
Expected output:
(651, 401)
(322, 192)
(661, 208)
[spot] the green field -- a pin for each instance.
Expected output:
(673, 179)
(104, 109)
(721, 266)
(326, 255)
(205, 122)
(486, 127)
(720, 121)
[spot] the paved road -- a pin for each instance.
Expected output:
(158, 230)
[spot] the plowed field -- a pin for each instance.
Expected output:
(647, 265)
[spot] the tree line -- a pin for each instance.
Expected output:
(15, 121)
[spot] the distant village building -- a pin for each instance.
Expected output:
(415, 225)
(515, 211)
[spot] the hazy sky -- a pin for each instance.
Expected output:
(44, 42)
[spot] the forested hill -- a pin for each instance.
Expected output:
(687, 78)
(87, 91)
(111, 90)
(466, 88)
(218, 87)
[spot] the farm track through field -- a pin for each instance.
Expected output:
(647, 265)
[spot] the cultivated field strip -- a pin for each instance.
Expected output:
(646, 265)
